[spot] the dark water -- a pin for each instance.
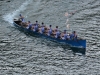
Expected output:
(22, 54)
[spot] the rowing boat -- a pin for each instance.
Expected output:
(79, 43)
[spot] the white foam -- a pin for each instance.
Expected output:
(98, 53)
(10, 16)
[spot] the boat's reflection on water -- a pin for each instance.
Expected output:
(78, 50)
(75, 50)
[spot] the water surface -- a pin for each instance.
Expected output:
(23, 54)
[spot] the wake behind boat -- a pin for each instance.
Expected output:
(32, 29)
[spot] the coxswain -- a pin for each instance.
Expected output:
(21, 18)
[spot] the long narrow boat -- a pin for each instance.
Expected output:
(79, 43)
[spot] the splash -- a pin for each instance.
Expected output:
(98, 53)
(10, 16)
(67, 25)
(68, 16)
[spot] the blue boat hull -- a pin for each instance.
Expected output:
(73, 43)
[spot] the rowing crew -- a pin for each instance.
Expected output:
(48, 31)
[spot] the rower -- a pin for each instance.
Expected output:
(42, 24)
(35, 28)
(29, 25)
(56, 29)
(49, 30)
(64, 35)
(37, 23)
(42, 29)
(68, 36)
(73, 35)
(57, 34)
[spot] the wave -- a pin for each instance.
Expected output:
(10, 16)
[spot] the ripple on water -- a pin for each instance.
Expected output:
(24, 54)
